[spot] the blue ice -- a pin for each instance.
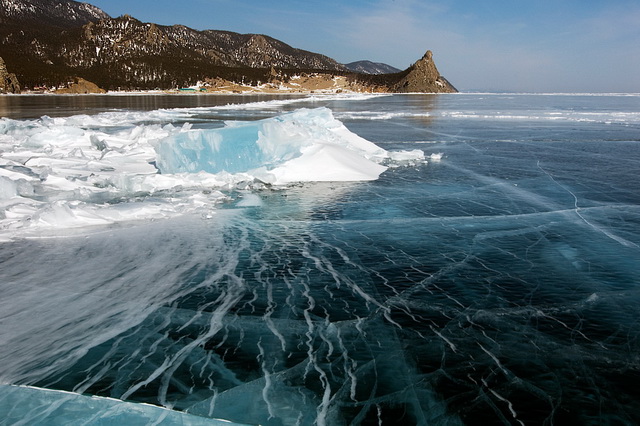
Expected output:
(267, 144)
(30, 405)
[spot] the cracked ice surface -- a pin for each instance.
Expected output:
(248, 321)
(495, 286)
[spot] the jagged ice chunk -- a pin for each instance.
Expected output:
(303, 146)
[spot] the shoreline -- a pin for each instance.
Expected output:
(303, 84)
(302, 93)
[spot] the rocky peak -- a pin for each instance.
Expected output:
(423, 76)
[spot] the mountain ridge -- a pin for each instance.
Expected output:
(369, 67)
(45, 48)
(55, 13)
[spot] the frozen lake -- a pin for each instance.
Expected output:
(491, 278)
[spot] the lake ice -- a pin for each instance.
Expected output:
(483, 269)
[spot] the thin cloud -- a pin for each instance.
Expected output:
(513, 54)
(398, 31)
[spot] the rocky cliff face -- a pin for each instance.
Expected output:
(423, 76)
(8, 81)
(80, 86)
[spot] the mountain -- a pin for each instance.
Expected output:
(53, 42)
(53, 13)
(129, 38)
(368, 67)
(423, 76)
(48, 42)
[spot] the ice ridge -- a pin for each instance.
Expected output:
(79, 171)
(302, 146)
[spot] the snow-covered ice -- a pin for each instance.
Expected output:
(78, 171)
(304, 146)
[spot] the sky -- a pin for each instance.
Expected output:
(488, 45)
